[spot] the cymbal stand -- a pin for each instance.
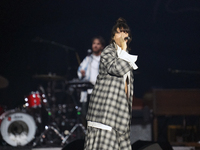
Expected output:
(42, 135)
(50, 95)
(78, 109)
(76, 84)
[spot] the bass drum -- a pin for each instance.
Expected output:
(17, 128)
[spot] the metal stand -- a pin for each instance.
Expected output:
(64, 139)
(42, 135)
(83, 85)
(72, 130)
(75, 127)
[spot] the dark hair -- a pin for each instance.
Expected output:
(101, 39)
(123, 27)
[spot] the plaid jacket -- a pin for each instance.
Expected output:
(108, 102)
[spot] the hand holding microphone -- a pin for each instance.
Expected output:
(124, 39)
(127, 38)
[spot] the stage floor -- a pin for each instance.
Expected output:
(58, 148)
(29, 148)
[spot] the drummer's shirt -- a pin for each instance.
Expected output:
(94, 68)
(91, 66)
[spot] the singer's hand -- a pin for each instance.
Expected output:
(119, 39)
(83, 73)
(123, 42)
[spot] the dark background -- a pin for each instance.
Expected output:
(165, 36)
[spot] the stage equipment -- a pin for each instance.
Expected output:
(173, 102)
(33, 100)
(45, 133)
(48, 98)
(74, 128)
(17, 128)
(59, 122)
(75, 145)
(149, 145)
(82, 85)
(66, 48)
(141, 125)
(180, 134)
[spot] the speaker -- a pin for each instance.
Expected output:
(75, 145)
(154, 146)
(141, 125)
(148, 145)
(140, 131)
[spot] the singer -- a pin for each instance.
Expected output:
(110, 106)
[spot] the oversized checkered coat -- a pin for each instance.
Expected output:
(108, 102)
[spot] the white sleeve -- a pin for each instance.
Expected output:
(127, 57)
(82, 67)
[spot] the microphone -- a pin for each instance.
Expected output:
(89, 52)
(127, 38)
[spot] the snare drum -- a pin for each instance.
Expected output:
(17, 128)
(33, 100)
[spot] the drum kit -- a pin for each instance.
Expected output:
(50, 116)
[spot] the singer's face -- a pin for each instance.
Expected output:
(119, 37)
(96, 46)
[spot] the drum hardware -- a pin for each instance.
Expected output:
(17, 128)
(63, 138)
(51, 125)
(33, 100)
(41, 40)
(81, 85)
(66, 48)
(43, 134)
(19, 131)
(76, 84)
(54, 108)
(36, 105)
(75, 127)
(50, 89)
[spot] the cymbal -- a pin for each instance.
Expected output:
(3, 82)
(48, 77)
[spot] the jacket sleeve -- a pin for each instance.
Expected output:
(114, 65)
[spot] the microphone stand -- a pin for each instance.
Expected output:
(67, 48)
